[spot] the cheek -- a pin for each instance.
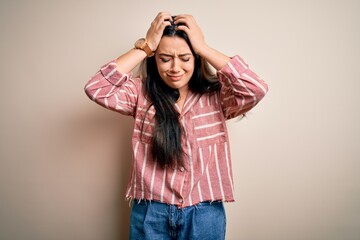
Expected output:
(189, 67)
(161, 69)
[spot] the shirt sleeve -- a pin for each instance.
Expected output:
(114, 90)
(241, 88)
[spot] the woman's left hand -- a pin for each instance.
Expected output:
(192, 29)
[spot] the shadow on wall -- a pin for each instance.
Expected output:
(105, 140)
(79, 181)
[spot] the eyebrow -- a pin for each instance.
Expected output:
(170, 55)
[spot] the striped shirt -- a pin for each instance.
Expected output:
(207, 171)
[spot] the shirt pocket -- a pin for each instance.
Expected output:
(144, 127)
(209, 126)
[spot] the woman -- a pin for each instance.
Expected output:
(181, 171)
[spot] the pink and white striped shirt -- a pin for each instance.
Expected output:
(207, 174)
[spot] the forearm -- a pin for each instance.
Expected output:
(129, 60)
(241, 88)
(217, 59)
(107, 88)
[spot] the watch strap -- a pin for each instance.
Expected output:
(147, 49)
(143, 45)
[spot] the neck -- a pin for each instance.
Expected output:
(183, 93)
(181, 101)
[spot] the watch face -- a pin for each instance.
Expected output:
(142, 44)
(139, 43)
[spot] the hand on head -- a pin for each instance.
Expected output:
(188, 24)
(184, 22)
(154, 33)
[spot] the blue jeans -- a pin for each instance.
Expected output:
(151, 220)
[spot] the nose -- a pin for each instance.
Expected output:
(175, 67)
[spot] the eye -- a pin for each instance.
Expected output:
(164, 59)
(185, 59)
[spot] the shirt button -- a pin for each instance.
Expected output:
(182, 169)
(181, 200)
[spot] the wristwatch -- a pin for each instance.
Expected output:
(142, 44)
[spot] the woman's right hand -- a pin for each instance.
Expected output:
(155, 32)
(129, 60)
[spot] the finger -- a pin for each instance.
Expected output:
(161, 21)
(184, 17)
(183, 28)
(160, 14)
(184, 20)
(165, 20)
(164, 24)
(164, 16)
(161, 17)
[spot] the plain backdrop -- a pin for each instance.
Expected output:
(65, 160)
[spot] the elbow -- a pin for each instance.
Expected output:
(266, 89)
(87, 92)
(261, 91)
(92, 86)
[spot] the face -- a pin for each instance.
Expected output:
(175, 62)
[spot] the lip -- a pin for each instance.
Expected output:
(175, 78)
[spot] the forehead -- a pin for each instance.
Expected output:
(173, 45)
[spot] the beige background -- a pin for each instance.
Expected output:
(65, 160)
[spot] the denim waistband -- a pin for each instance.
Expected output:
(151, 219)
(203, 203)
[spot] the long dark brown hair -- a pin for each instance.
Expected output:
(166, 147)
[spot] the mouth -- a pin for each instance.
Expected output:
(174, 78)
